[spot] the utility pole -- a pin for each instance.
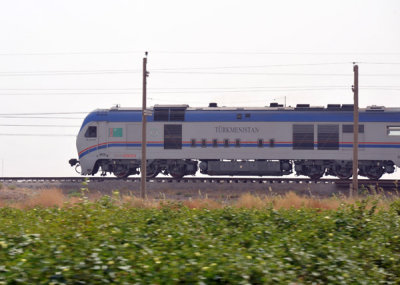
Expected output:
(143, 166)
(355, 130)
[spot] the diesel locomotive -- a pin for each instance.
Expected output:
(251, 141)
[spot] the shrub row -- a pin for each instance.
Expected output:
(102, 242)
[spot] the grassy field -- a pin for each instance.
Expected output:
(125, 240)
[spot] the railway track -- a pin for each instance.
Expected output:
(393, 184)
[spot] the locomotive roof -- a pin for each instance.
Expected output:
(300, 113)
(298, 107)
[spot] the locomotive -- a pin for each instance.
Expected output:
(252, 141)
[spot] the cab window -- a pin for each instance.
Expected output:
(91, 132)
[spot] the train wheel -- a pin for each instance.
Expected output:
(373, 172)
(375, 175)
(343, 172)
(177, 172)
(152, 171)
(344, 176)
(316, 176)
(121, 174)
(177, 175)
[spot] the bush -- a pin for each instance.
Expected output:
(108, 242)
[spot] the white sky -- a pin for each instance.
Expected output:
(42, 40)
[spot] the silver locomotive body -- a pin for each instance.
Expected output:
(275, 141)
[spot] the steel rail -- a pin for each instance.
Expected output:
(386, 183)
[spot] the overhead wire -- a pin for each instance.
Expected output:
(35, 117)
(276, 52)
(189, 70)
(38, 135)
(205, 91)
(210, 52)
(67, 72)
(190, 88)
(39, 113)
(273, 73)
(44, 126)
(252, 66)
(68, 53)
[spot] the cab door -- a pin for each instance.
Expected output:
(102, 140)
(88, 142)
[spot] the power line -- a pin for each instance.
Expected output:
(34, 117)
(37, 135)
(274, 53)
(188, 88)
(254, 73)
(210, 91)
(44, 126)
(177, 92)
(179, 52)
(68, 53)
(186, 70)
(69, 89)
(67, 72)
(172, 88)
(380, 63)
(253, 66)
(272, 73)
(67, 93)
(57, 113)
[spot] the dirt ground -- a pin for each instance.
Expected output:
(173, 191)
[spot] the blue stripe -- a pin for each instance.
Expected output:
(379, 146)
(255, 116)
(87, 152)
(282, 145)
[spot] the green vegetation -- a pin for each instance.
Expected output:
(108, 243)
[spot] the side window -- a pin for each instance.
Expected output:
(91, 132)
(328, 137)
(172, 136)
(271, 143)
(193, 143)
(115, 132)
(349, 129)
(237, 143)
(203, 143)
(226, 142)
(260, 143)
(215, 143)
(393, 130)
(303, 136)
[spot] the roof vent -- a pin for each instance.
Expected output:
(115, 107)
(303, 105)
(213, 105)
(347, 107)
(375, 108)
(274, 104)
(333, 107)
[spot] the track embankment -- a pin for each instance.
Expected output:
(211, 187)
